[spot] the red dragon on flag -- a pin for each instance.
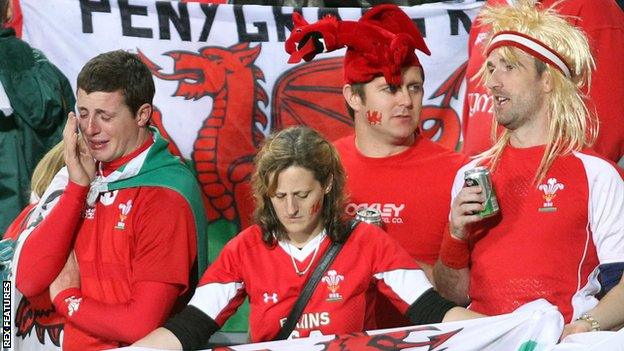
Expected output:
(308, 94)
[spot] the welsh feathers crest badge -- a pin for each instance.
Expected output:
(332, 279)
(550, 191)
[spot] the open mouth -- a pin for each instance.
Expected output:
(97, 145)
(500, 100)
(403, 116)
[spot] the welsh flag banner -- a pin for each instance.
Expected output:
(535, 326)
(223, 82)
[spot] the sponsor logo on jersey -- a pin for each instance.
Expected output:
(108, 198)
(123, 215)
(550, 189)
(266, 297)
(332, 279)
(311, 320)
(390, 213)
(89, 213)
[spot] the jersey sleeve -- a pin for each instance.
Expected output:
(221, 289)
(397, 275)
(127, 322)
(605, 208)
(165, 247)
(45, 251)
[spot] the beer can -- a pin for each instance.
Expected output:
(369, 215)
(481, 176)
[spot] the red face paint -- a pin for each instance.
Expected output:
(316, 207)
(374, 117)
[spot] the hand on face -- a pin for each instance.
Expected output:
(69, 277)
(465, 210)
(80, 163)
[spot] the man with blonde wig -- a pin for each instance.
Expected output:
(559, 234)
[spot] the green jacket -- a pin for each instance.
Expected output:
(41, 97)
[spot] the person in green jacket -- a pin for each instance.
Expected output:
(35, 98)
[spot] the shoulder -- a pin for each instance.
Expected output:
(155, 201)
(247, 239)
(345, 144)
(597, 167)
(367, 234)
(429, 149)
(160, 195)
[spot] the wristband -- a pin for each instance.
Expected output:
(454, 253)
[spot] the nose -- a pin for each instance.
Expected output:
(493, 82)
(292, 206)
(90, 126)
(404, 97)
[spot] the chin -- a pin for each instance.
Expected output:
(404, 134)
(103, 158)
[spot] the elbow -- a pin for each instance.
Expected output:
(460, 300)
(30, 287)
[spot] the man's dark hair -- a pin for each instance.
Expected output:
(358, 89)
(4, 11)
(119, 71)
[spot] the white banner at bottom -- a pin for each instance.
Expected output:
(535, 326)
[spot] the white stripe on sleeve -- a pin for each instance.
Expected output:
(213, 298)
(408, 284)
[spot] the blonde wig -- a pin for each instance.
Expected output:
(571, 126)
(46, 169)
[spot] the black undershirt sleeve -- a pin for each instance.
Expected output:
(429, 308)
(192, 327)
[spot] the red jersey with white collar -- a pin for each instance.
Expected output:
(551, 239)
(368, 261)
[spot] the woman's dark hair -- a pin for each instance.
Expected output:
(302, 147)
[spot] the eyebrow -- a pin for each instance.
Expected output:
(110, 113)
(97, 110)
(294, 192)
(415, 81)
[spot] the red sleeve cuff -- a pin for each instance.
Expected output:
(76, 191)
(454, 253)
(67, 302)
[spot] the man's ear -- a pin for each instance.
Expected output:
(353, 100)
(547, 82)
(143, 115)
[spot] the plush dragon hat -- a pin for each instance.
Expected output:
(382, 42)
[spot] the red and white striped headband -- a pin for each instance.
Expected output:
(531, 46)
